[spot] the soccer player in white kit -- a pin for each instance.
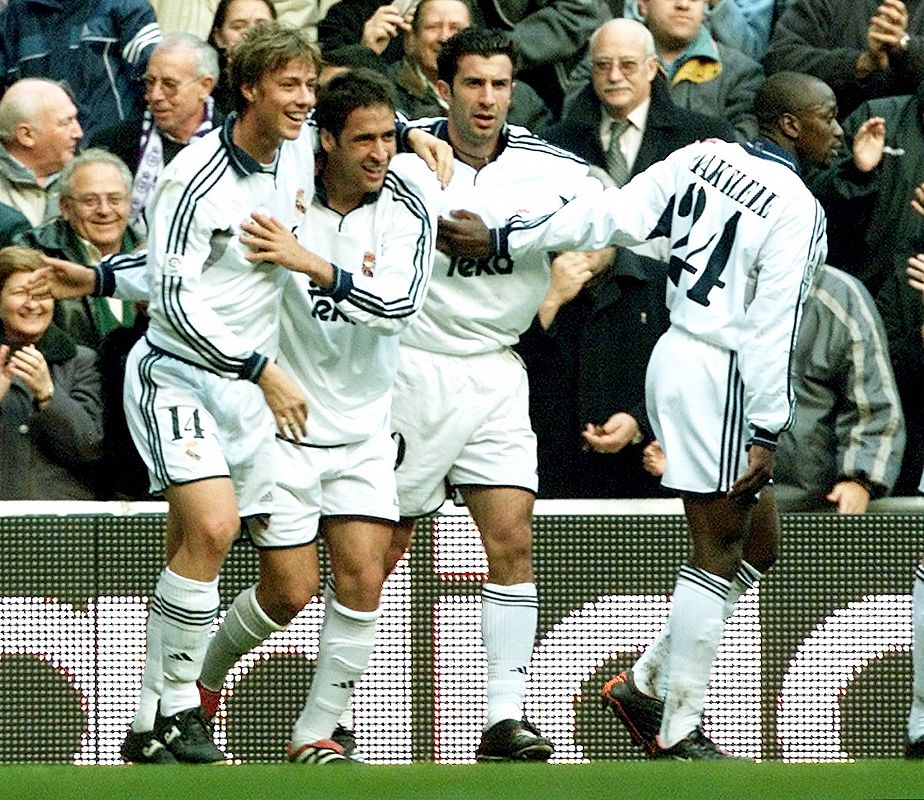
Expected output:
(460, 409)
(372, 226)
(339, 341)
(201, 389)
(744, 236)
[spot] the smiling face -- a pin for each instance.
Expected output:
(175, 94)
(97, 205)
(24, 318)
(357, 160)
(479, 100)
(280, 100)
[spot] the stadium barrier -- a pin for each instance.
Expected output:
(815, 664)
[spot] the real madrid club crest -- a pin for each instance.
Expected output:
(368, 264)
(300, 205)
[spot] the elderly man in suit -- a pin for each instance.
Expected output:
(587, 407)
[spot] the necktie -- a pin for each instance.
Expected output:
(616, 164)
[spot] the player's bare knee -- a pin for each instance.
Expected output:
(361, 587)
(510, 553)
(401, 538)
(213, 536)
(282, 601)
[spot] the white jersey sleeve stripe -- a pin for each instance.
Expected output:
(409, 303)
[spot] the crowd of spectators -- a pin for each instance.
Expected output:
(621, 84)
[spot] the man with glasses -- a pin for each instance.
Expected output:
(94, 197)
(178, 85)
(623, 122)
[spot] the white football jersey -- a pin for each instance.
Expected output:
(743, 235)
(209, 306)
(342, 347)
(484, 304)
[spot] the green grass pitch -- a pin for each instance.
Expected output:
(613, 780)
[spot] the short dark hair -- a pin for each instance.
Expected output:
(351, 56)
(266, 48)
(782, 93)
(358, 88)
(485, 42)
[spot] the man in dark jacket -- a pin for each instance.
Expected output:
(861, 48)
(586, 358)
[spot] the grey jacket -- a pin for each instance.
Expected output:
(849, 422)
(729, 95)
(52, 454)
(20, 190)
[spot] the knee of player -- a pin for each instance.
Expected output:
(512, 543)
(360, 587)
(283, 600)
(217, 532)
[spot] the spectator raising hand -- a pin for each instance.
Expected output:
(383, 26)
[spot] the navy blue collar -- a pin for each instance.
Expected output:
(242, 162)
(763, 147)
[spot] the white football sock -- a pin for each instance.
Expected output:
(152, 682)
(697, 622)
(649, 671)
(245, 626)
(916, 716)
(330, 593)
(509, 615)
(187, 608)
(347, 639)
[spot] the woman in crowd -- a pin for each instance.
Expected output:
(232, 19)
(51, 421)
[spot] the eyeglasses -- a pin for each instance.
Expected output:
(627, 66)
(91, 202)
(169, 86)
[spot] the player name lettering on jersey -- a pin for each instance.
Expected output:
(473, 267)
(734, 183)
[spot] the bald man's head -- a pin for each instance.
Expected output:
(38, 125)
(623, 65)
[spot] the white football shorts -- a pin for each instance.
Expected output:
(696, 407)
(189, 425)
(460, 421)
(353, 480)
